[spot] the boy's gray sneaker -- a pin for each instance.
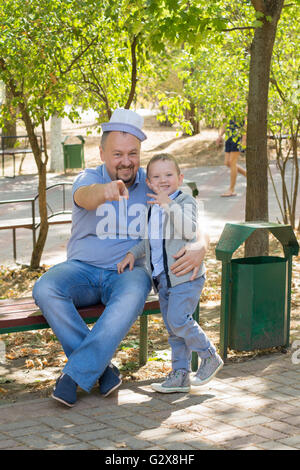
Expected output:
(176, 381)
(209, 367)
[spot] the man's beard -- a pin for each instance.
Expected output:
(130, 178)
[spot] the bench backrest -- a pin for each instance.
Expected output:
(18, 142)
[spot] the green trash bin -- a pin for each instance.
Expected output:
(256, 291)
(73, 153)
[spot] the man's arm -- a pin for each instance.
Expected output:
(92, 196)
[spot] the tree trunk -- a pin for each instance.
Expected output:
(42, 171)
(43, 231)
(294, 142)
(190, 115)
(10, 125)
(57, 158)
(133, 47)
(256, 153)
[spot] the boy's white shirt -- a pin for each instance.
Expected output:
(154, 228)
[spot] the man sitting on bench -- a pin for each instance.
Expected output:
(106, 201)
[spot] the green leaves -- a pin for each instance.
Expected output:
(66, 51)
(39, 41)
(284, 94)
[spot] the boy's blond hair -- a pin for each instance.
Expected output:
(163, 157)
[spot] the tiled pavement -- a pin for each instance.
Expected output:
(250, 405)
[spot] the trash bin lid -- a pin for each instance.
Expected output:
(69, 136)
(234, 235)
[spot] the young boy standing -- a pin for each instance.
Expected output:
(172, 221)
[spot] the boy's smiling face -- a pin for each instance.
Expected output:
(163, 177)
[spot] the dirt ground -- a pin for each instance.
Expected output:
(30, 362)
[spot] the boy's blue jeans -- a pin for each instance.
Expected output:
(177, 306)
(74, 284)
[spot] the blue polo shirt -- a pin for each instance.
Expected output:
(102, 237)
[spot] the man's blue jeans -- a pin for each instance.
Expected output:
(75, 284)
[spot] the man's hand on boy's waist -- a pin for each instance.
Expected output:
(188, 258)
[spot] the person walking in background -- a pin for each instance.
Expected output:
(234, 145)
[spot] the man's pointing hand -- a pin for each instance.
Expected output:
(115, 190)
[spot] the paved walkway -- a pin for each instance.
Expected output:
(250, 405)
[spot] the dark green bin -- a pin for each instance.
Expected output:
(256, 292)
(258, 303)
(73, 153)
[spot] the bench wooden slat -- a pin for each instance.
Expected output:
(12, 302)
(27, 222)
(20, 223)
(24, 312)
(15, 151)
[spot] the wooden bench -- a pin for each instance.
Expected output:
(23, 315)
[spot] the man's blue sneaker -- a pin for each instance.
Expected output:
(65, 390)
(110, 380)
